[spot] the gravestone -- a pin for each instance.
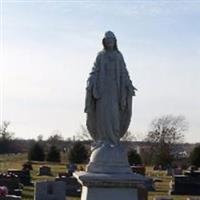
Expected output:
(23, 175)
(177, 171)
(50, 190)
(73, 187)
(45, 171)
(188, 184)
(11, 181)
(27, 166)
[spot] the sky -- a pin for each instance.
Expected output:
(48, 49)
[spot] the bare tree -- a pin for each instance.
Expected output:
(165, 132)
(83, 134)
(167, 129)
(40, 137)
(5, 138)
(4, 133)
(129, 137)
(55, 139)
(55, 136)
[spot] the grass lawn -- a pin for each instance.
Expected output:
(15, 161)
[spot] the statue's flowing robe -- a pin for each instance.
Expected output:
(109, 98)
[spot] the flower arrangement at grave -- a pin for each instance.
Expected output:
(3, 191)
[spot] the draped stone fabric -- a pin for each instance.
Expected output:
(109, 98)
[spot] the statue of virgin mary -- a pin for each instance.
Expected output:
(109, 95)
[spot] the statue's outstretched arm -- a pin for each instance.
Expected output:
(91, 89)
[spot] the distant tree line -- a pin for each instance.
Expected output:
(163, 143)
(78, 153)
(37, 153)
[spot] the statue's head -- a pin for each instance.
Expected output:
(109, 41)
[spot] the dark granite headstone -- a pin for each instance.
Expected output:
(27, 166)
(12, 183)
(73, 187)
(188, 184)
(177, 171)
(23, 175)
(45, 171)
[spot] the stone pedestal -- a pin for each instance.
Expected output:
(111, 186)
(109, 159)
(108, 176)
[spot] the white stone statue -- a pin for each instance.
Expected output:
(109, 95)
(108, 106)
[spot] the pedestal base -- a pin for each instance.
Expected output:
(89, 193)
(109, 159)
(111, 186)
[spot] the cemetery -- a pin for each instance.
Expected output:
(127, 72)
(161, 186)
